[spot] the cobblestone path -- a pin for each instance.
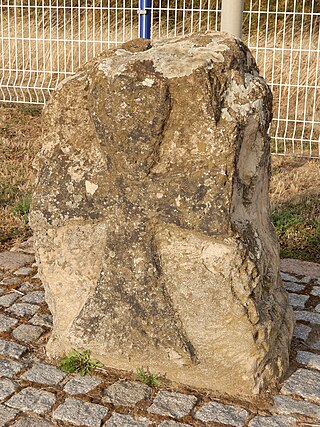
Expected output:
(35, 393)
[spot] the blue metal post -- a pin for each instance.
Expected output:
(145, 19)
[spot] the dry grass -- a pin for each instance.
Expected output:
(19, 132)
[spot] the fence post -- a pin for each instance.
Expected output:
(232, 16)
(144, 19)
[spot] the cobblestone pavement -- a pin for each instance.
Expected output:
(35, 393)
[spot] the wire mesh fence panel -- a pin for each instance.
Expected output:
(44, 41)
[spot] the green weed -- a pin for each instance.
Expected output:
(79, 362)
(147, 377)
(22, 207)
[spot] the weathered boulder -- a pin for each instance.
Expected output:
(150, 215)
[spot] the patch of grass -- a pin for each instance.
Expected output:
(79, 362)
(147, 377)
(298, 229)
(19, 143)
(22, 207)
(31, 110)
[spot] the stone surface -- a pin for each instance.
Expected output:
(9, 368)
(151, 215)
(7, 388)
(7, 300)
(27, 333)
(173, 424)
(33, 400)
(293, 287)
(26, 287)
(220, 413)
(126, 393)
(310, 360)
(32, 422)
(12, 261)
(300, 268)
(302, 331)
(41, 320)
(171, 404)
(22, 309)
(44, 374)
(6, 415)
(308, 316)
(297, 300)
(317, 308)
(119, 420)
(275, 421)
(315, 345)
(6, 322)
(304, 383)
(80, 413)
(315, 291)
(81, 385)
(10, 281)
(287, 405)
(287, 277)
(11, 349)
(35, 297)
(24, 271)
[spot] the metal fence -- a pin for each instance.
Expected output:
(44, 41)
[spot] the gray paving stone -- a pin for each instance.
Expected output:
(310, 360)
(220, 413)
(26, 287)
(11, 349)
(308, 316)
(35, 297)
(302, 331)
(126, 393)
(14, 260)
(304, 383)
(81, 385)
(10, 281)
(6, 322)
(287, 277)
(315, 345)
(317, 308)
(42, 373)
(22, 309)
(274, 421)
(173, 424)
(23, 271)
(305, 279)
(9, 369)
(7, 388)
(297, 300)
(32, 422)
(293, 287)
(287, 405)
(119, 420)
(8, 299)
(80, 413)
(6, 415)
(33, 400)
(27, 333)
(316, 291)
(175, 405)
(41, 320)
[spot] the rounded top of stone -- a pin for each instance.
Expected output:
(176, 57)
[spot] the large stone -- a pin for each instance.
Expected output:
(151, 215)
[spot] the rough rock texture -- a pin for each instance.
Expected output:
(150, 215)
